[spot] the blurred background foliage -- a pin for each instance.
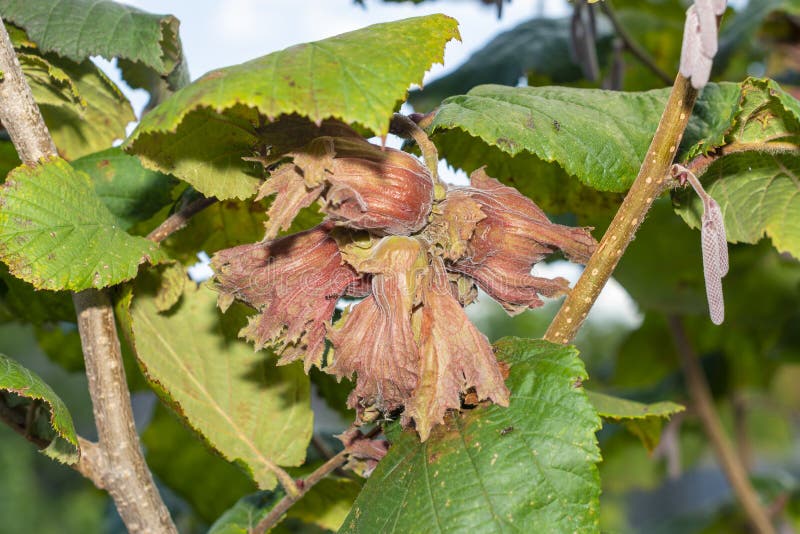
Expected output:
(752, 361)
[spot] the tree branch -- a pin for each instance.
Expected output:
(648, 186)
(337, 461)
(631, 44)
(117, 463)
(178, 220)
(703, 404)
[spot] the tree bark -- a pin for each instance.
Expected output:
(115, 463)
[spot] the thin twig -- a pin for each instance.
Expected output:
(120, 467)
(700, 164)
(337, 461)
(743, 446)
(700, 394)
(631, 44)
(178, 220)
(648, 186)
(322, 447)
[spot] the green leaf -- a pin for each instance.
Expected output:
(528, 467)
(758, 190)
(540, 46)
(759, 195)
(325, 505)
(55, 233)
(245, 514)
(207, 482)
(547, 184)
(328, 503)
(206, 151)
(83, 109)
(346, 77)
(600, 137)
(23, 389)
(245, 408)
(643, 420)
(201, 132)
(79, 29)
(131, 192)
(174, 280)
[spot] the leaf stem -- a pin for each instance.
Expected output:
(648, 186)
(631, 44)
(700, 164)
(337, 461)
(120, 467)
(700, 394)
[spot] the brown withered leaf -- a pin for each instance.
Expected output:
(514, 236)
(375, 340)
(294, 283)
(455, 357)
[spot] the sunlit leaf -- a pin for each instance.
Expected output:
(55, 232)
(201, 132)
(643, 420)
(79, 29)
(248, 410)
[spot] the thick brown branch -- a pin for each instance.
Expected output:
(700, 394)
(119, 467)
(648, 186)
(18, 110)
(126, 476)
(178, 220)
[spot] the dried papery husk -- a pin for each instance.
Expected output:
(360, 186)
(384, 190)
(294, 283)
(375, 340)
(505, 245)
(454, 357)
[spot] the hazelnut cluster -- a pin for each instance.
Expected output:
(414, 252)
